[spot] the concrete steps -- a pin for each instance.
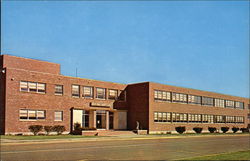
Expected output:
(114, 133)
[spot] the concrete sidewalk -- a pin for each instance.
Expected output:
(107, 138)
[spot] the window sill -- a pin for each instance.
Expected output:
(32, 92)
(31, 120)
(58, 94)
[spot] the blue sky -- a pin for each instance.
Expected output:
(196, 44)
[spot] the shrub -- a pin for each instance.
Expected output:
(59, 129)
(244, 130)
(77, 129)
(224, 129)
(235, 129)
(35, 128)
(180, 129)
(198, 130)
(211, 129)
(48, 129)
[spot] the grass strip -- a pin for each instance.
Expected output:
(240, 155)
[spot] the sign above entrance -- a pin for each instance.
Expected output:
(94, 104)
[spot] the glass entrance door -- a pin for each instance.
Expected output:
(100, 119)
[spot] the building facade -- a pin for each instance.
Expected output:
(33, 92)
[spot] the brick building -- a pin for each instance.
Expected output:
(34, 92)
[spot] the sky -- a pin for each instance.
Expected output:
(195, 44)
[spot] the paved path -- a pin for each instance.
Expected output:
(129, 149)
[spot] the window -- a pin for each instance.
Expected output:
(24, 86)
(239, 105)
(23, 114)
(220, 119)
(58, 116)
(194, 99)
(204, 118)
(101, 93)
(162, 117)
(179, 97)
(162, 95)
(207, 118)
(194, 118)
(156, 117)
(239, 119)
(40, 114)
(207, 101)
(219, 102)
(210, 118)
(229, 103)
(230, 119)
(113, 94)
(32, 87)
(179, 117)
(75, 91)
(122, 96)
(31, 114)
(40, 87)
(58, 89)
(87, 92)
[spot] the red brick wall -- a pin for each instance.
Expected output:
(30, 64)
(137, 95)
(22, 100)
(2, 97)
(193, 109)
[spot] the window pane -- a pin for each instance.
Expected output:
(59, 89)
(24, 86)
(40, 114)
(100, 93)
(88, 92)
(229, 103)
(239, 105)
(41, 87)
(207, 101)
(179, 97)
(32, 114)
(194, 99)
(155, 117)
(58, 115)
(32, 87)
(23, 114)
(75, 90)
(113, 94)
(159, 116)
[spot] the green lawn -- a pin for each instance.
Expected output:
(241, 155)
(187, 134)
(40, 137)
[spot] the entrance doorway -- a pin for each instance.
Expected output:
(111, 120)
(100, 119)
